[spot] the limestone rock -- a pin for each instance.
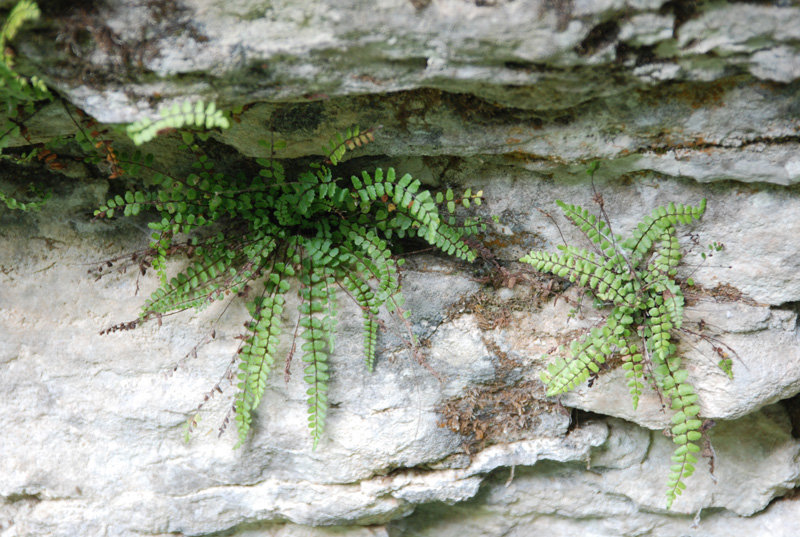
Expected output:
(561, 497)
(678, 101)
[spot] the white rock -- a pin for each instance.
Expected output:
(647, 29)
(514, 98)
(781, 64)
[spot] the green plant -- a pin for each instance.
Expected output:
(18, 95)
(13, 203)
(14, 87)
(178, 116)
(636, 278)
(255, 235)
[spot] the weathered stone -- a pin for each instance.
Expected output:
(56, 379)
(678, 101)
(525, 54)
(559, 497)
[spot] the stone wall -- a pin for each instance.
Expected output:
(678, 101)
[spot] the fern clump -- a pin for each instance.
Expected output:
(255, 235)
(636, 277)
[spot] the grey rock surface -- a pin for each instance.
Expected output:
(678, 101)
(66, 389)
(508, 52)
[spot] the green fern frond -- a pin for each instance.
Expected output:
(594, 228)
(648, 231)
(405, 196)
(16, 90)
(317, 335)
(583, 267)
(673, 304)
(365, 298)
(587, 354)
(178, 116)
(353, 138)
(725, 364)
(258, 354)
(25, 10)
(13, 203)
(216, 275)
(634, 372)
(449, 240)
(686, 428)
(18, 94)
(374, 258)
(668, 255)
(449, 200)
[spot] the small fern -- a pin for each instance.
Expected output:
(636, 277)
(13, 203)
(178, 116)
(16, 90)
(339, 145)
(264, 231)
(25, 10)
(19, 96)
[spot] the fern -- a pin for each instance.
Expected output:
(339, 145)
(13, 203)
(16, 90)
(636, 276)
(25, 10)
(327, 233)
(18, 95)
(178, 116)
(258, 355)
